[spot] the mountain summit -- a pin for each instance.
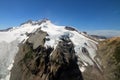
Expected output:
(41, 50)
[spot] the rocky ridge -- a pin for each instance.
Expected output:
(35, 62)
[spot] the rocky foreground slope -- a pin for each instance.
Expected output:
(109, 51)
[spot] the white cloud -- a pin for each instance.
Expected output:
(107, 33)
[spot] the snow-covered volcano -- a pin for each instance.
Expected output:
(85, 47)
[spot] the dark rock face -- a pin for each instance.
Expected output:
(35, 62)
(70, 28)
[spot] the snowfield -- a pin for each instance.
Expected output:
(84, 47)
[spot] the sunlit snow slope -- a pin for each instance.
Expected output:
(85, 48)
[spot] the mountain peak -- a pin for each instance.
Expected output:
(84, 47)
(37, 22)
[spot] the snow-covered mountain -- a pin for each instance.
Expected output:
(84, 47)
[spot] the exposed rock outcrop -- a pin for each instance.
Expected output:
(36, 62)
(70, 28)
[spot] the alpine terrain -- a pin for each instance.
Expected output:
(41, 50)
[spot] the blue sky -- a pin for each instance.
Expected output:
(82, 14)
